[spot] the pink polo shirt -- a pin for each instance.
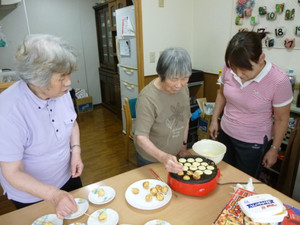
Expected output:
(248, 113)
(38, 133)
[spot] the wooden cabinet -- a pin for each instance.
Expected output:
(110, 90)
(105, 15)
(106, 38)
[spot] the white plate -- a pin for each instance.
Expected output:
(77, 223)
(138, 200)
(112, 217)
(82, 205)
(48, 218)
(109, 194)
(157, 222)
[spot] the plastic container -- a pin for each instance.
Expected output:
(263, 208)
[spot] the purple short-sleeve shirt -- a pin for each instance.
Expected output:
(38, 133)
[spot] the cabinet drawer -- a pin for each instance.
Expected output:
(128, 74)
(129, 90)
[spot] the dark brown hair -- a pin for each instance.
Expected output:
(244, 47)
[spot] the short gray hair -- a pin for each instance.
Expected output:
(40, 55)
(174, 62)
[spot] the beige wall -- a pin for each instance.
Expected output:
(166, 27)
(204, 28)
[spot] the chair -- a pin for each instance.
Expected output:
(130, 115)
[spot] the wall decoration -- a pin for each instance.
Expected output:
(244, 7)
(279, 19)
(297, 31)
(3, 42)
(269, 42)
(289, 14)
(271, 16)
(289, 43)
(279, 8)
(280, 31)
(262, 10)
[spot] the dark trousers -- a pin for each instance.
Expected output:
(72, 184)
(141, 161)
(244, 156)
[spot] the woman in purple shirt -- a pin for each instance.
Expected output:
(255, 97)
(40, 155)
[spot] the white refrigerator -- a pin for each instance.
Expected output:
(126, 51)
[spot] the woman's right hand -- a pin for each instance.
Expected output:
(63, 203)
(213, 129)
(171, 164)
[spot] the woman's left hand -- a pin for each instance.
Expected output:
(76, 164)
(270, 158)
(183, 151)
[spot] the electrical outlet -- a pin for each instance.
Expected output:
(152, 57)
(161, 3)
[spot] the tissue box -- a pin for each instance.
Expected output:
(84, 104)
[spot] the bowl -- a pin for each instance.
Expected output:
(210, 149)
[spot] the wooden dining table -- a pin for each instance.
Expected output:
(181, 209)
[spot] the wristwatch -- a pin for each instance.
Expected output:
(276, 148)
(184, 143)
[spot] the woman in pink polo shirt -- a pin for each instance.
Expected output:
(255, 97)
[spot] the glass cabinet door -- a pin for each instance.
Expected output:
(112, 14)
(106, 39)
(123, 3)
(103, 38)
(110, 46)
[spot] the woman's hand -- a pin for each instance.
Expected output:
(171, 164)
(63, 203)
(213, 129)
(270, 158)
(183, 151)
(76, 163)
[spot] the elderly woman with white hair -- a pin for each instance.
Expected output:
(40, 139)
(163, 112)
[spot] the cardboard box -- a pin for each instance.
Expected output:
(232, 213)
(204, 121)
(84, 104)
(203, 125)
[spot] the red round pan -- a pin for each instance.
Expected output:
(201, 187)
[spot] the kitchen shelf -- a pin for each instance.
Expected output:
(295, 109)
(195, 83)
